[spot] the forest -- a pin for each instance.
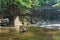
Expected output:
(46, 9)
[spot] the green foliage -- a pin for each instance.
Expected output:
(24, 5)
(43, 2)
(35, 3)
(3, 4)
(40, 3)
(58, 0)
(57, 4)
(20, 3)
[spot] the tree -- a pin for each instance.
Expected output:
(13, 5)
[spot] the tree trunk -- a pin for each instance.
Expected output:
(16, 22)
(11, 21)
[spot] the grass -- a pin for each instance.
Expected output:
(33, 33)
